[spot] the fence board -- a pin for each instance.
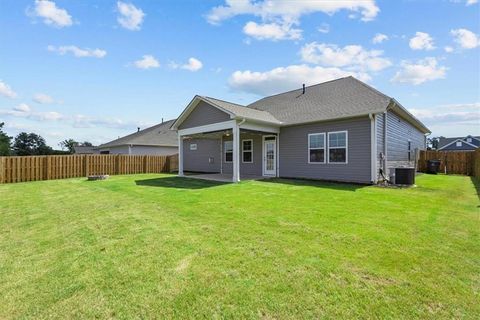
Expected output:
(35, 168)
(452, 162)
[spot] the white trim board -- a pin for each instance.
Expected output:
(230, 124)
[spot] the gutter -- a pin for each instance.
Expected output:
(373, 148)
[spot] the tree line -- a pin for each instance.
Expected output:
(32, 144)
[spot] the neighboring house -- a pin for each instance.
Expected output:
(341, 130)
(468, 143)
(84, 149)
(156, 140)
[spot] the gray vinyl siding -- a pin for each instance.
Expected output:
(399, 132)
(141, 150)
(198, 160)
(254, 168)
(204, 114)
(152, 150)
(115, 150)
(294, 152)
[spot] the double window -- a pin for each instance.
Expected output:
(337, 143)
(247, 151)
(316, 148)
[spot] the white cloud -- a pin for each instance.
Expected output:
(78, 52)
(286, 11)
(278, 17)
(192, 65)
(422, 41)
(147, 62)
(24, 111)
(444, 117)
(465, 38)
(43, 98)
(51, 14)
(272, 31)
(448, 49)
(420, 72)
(470, 2)
(286, 78)
(7, 91)
(379, 38)
(130, 17)
(22, 107)
(353, 57)
(324, 28)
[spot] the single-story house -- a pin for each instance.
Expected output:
(468, 143)
(84, 149)
(340, 130)
(156, 140)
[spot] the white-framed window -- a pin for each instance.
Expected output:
(459, 143)
(247, 151)
(193, 146)
(228, 150)
(338, 147)
(316, 148)
(469, 139)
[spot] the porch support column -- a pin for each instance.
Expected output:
(180, 155)
(236, 153)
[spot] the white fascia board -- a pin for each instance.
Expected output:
(259, 127)
(208, 128)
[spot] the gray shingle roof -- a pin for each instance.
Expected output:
(340, 98)
(242, 111)
(158, 135)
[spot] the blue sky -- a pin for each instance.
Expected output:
(95, 70)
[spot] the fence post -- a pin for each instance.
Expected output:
(144, 164)
(2, 169)
(87, 157)
(117, 164)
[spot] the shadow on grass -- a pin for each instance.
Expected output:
(179, 183)
(476, 183)
(317, 184)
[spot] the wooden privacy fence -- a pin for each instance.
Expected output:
(34, 168)
(452, 162)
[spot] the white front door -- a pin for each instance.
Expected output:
(269, 156)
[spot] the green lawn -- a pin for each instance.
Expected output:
(158, 246)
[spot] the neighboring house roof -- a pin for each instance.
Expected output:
(341, 98)
(84, 149)
(450, 143)
(158, 135)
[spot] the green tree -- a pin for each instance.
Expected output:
(68, 144)
(86, 144)
(5, 141)
(28, 144)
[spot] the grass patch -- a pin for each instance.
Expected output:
(158, 246)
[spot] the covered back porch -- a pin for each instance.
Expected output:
(231, 150)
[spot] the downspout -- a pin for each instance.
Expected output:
(241, 122)
(373, 148)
